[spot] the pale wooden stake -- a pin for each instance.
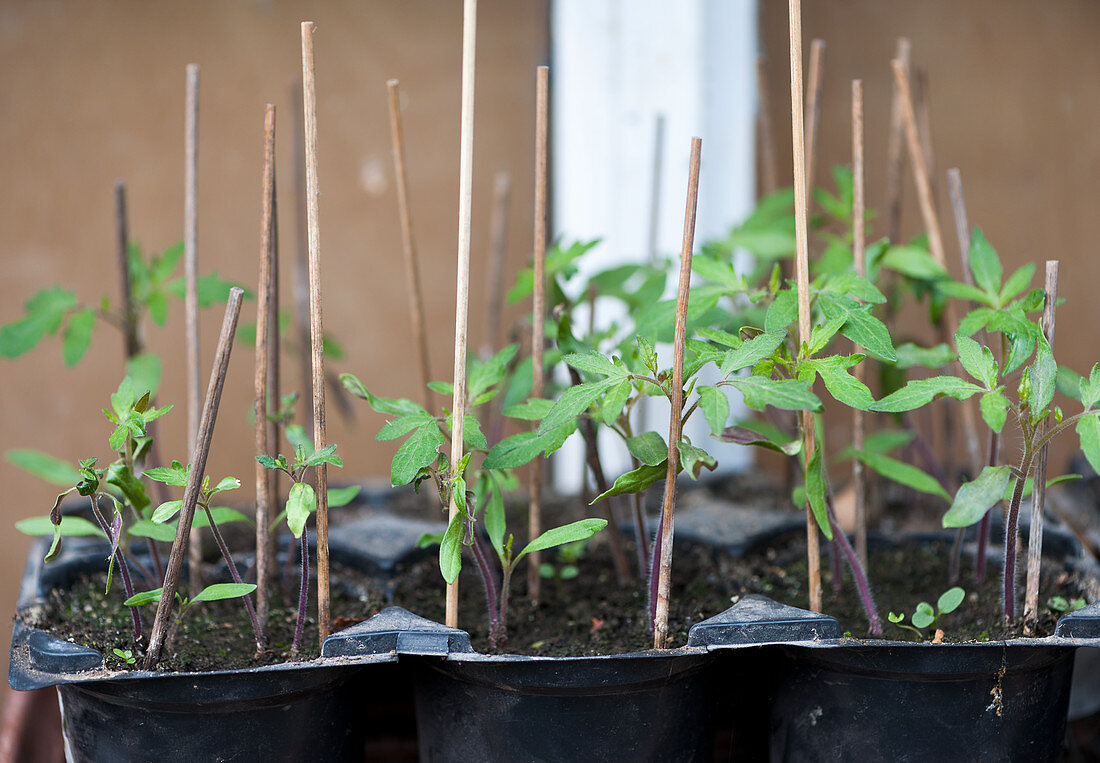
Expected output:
(814, 85)
(895, 151)
(191, 293)
(263, 352)
(922, 103)
(498, 248)
(802, 269)
(675, 425)
(412, 271)
(195, 476)
(538, 314)
(316, 329)
(1038, 491)
(300, 271)
(462, 283)
(859, 478)
(769, 172)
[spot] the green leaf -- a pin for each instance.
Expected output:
(716, 408)
(861, 327)
(70, 526)
(400, 427)
(482, 376)
(166, 511)
(415, 453)
(964, 291)
(637, 480)
(903, 474)
(532, 409)
(910, 355)
(994, 407)
(77, 336)
(450, 550)
(158, 308)
(342, 496)
(391, 406)
(143, 598)
(219, 591)
(222, 515)
(743, 435)
(612, 405)
(977, 361)
(559, 536)
(843, 386)
(1090, 388)
(1069, 382)
(976, 320)
(594, 363)
(146, 528)
(975, 498)
(175, 475)
(1016, 283)
(950, 600)
(494, 517)
(782, 311)
(326, 455)
(922, 391)
(649, 448)
(144, 369)
(300, 503)
(924, 616)
(786, 394)
(46, 467)
(573, 402)
(854, 286)
(1088, 429)
(1044, 377)
(984, 264)
(913, 261)
(815, 490)
(693, 459)
(267, 462)
(823, 332)
(752, 351)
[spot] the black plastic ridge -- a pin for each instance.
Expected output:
(757, 619)
(396, 631)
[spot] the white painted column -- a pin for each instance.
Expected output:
(616, 65)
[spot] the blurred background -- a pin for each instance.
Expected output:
(94, 92)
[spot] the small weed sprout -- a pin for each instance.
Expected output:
(926, 616)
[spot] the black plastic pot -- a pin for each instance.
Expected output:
(296, 711)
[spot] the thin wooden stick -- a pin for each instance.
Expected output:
(962, 224)
(462, 285)
(769, 172)
(859, 478)
(675, 425)
(412, 271)
(316, 329)
(655, 189)
(1038, 491)
(538, 313)
(922, 104)
(895, 156)
(195, 476)
(814, 85)
(191, 294)
(498, 247)
(802, 269)
(274, 375)
(130, 343)
(300, 271)
(263, 352)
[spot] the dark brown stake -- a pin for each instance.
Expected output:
(668, 509)
(130, 343)
(195, 476)
(274, 373)
(538, 314)
(412, 271)
(264, 319)
(191, 294)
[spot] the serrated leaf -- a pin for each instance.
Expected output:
(843, 386)
(1090, 388)
(532, 409)
(1088, 429)
(850, 284)
(326, 455)
(910, 355)
(823, 332)
(265, 461)
(77, 336)
(994, 407)
(975, 498)
(218, 591)
(977, 361)
(716, 407)
(484, 375)
(922, 391)
(1020, 349)
(415, 453)
(593, 363)
(649, 448)
(1017, 282)
(815, 492)
(693, 460)
(782, 311)
(172, 476)
(612, 404)
(913, 261)
(752, 351)
(400, 427)
(559, 536)
(861, 327)
(636, 480)
(984, 264)
(976, 320)
(903, 474)
(786, 394)
(723, 338)
(391, 406)
(44, 466)
(300, 503)
(450, 550)
(1044, 375)
(573, 402)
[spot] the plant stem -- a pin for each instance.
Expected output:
(496, 602)
(858, 573)
(256, 627)
(303, 593)
(834, 555)
(127, 584)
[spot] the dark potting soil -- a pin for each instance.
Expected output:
(215, 635)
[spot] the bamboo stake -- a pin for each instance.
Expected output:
(1038, 491)
(859, 479)
(675, 425)
(802, 269)
(895, 156)
(498, 247)
(195, 476)
(538, 314)
(769, 172)
(191, 294)
(412, 273)
(263, 351)
(462, 286)
(130, 343)
(962, 224)
(922, 104)
(316, 330)
(814, 86)
(274, 370)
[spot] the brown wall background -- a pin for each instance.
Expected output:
(1014, 105)
(94, 92)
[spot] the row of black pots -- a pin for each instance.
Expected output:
(761, 680)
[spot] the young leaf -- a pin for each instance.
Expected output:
(228, 483)
(176, 475)
(649, 448)
(637, 480)
(265, 461)
(913, 261)
(1016, 283)
(903, 473)
(984, 264)
(143, 598)
(922, 391)
(843, 386)
(219, 591)
(342, 496)
(532, 409)
(977, 361)
(593, 363)
(924, 616)
(300, 503)
(787, 394)
(716, 408)
(693, 460)
(815, 490)
(994, 407)
(70, 526)
(401, 426)
(77, 336)
(975, 498)
(1044, 376)
(861, 327)
(559, 536)
(146, 528)
(415, 453)
(573, 402)
(752, 351)
(950, 600)
(1090, 388)
(52, 470)
(393, 407)
(520, 449)
(1088, 429)
(613, 402)
(450, 550)
(166, 511)
(326, 455)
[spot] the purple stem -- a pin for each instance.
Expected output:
(838, 571)
(491, 595)
(256, 629)
(655, 573)
(858, 573)
(983, 526)
(303, 595)
(123, 569)
(1010, 542)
